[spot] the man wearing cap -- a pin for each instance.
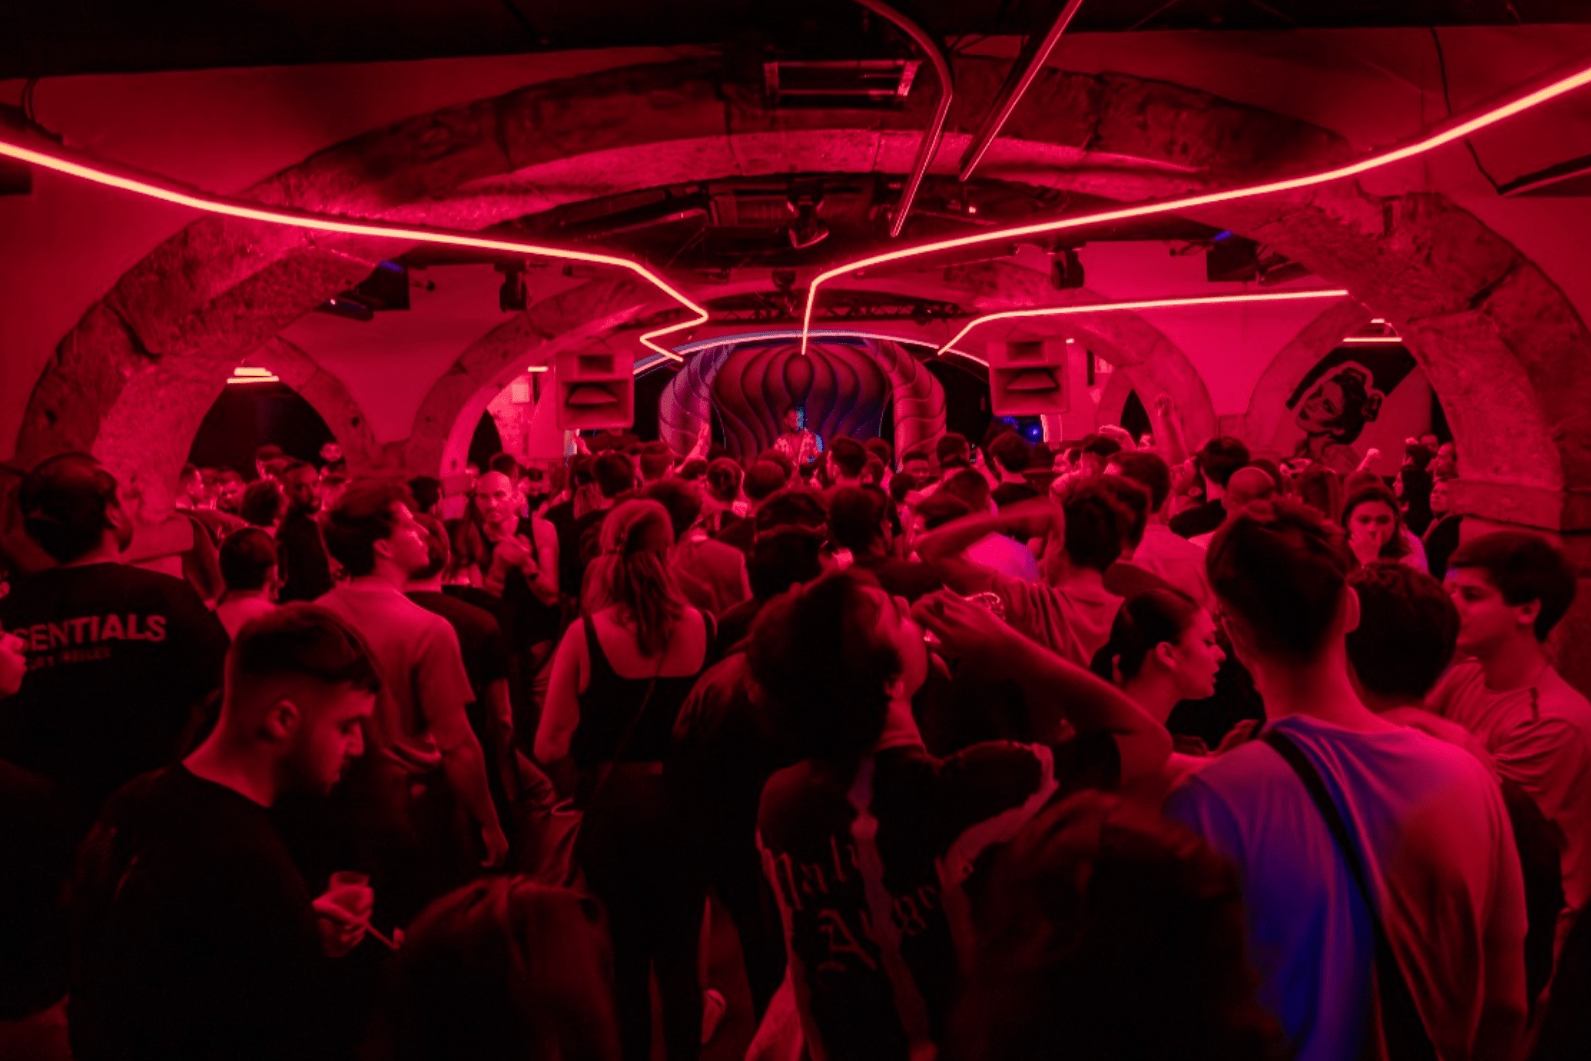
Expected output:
(120, 659)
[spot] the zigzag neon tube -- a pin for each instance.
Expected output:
(1454, 131)
(1147, 303)
(169, 191)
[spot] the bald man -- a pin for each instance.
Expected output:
(197, 936)
(1246, 486)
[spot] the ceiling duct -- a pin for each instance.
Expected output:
(863, 84)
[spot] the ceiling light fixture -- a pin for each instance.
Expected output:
(1373, 339)
(245, 374)
(1141, 304)
(1456, 130)
(71, 164)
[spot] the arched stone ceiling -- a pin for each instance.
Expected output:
(1499, 342)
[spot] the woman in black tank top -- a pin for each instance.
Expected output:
(618, 681)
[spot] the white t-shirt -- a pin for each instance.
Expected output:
(1540, 739)
(1005, 556)
(1437, 844)
(1174, 558)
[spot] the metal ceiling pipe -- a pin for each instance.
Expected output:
(929, 144)
(1014, 89)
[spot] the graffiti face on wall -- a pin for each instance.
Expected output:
(1340, 399)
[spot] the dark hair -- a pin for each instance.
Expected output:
(970, 487)
(427, 491)
(246, 558)
(1407, 633)
(1135, 499)
(1106, 928)
(848, 456)
(792, 507)
(262, 503)
(856, 517)
(503, 969)
(1397, 546)
(1152, 618)
(438, 550)
(613, 472)
(1220, 457)
(693, 469)
(295, 465)
(267, 453)
(362, 517)
(901, 484)
(633, 573)
(940, 508)
(1320, 488)
(723, 480)
(921, 453)
(1012, 452)
(679, 499)
(784, 557)
(1148, 470)
(188, 472)
(763, 480)
(952, 447)
(65, 501)
(874, 471)
(1281, 569)
(773, 456)
(880, 448)
(824, 669)
(656, 460)
(1524, 567)
(1101, 446)
(1096, 525)
(504, 464)
(305, 640)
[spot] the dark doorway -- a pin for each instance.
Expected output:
(248, 416)
(486, 443)
(1134, 417)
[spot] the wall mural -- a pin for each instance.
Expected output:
(1356, 398)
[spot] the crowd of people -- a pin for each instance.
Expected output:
(991, 751)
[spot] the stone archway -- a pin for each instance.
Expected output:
(1498, 342)
(440, 438)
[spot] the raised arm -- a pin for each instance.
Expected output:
(1055, 689)
(1168, 431)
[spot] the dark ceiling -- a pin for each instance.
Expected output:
(61, 37)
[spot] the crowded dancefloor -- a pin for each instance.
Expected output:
(849, 531)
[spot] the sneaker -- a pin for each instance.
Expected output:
(713, 1007)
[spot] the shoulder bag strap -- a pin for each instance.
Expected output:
(1402, 1029)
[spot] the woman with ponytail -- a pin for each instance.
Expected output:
(618, 680)
(1162, 651)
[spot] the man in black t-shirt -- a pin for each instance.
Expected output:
(119, 657)
(1010, 454)
(860, 838)
(1216, 462)
(859, 520)
(196, 936)
(305, 569)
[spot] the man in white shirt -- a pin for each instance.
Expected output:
(1511, 588)
(419, 726)
(1425, 817)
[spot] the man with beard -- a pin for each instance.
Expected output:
(300, 553)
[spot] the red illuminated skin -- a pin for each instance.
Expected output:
(13, 663)
(1370, 527)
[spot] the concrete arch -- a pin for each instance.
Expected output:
(1498, 341)
(439, 441)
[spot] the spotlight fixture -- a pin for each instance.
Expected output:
(806, 230)
(246, 374)
(511, 297)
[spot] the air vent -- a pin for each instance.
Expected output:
(863, 83)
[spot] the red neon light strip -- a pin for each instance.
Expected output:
(1148, 303)
(159, 188)
(1454, 132)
